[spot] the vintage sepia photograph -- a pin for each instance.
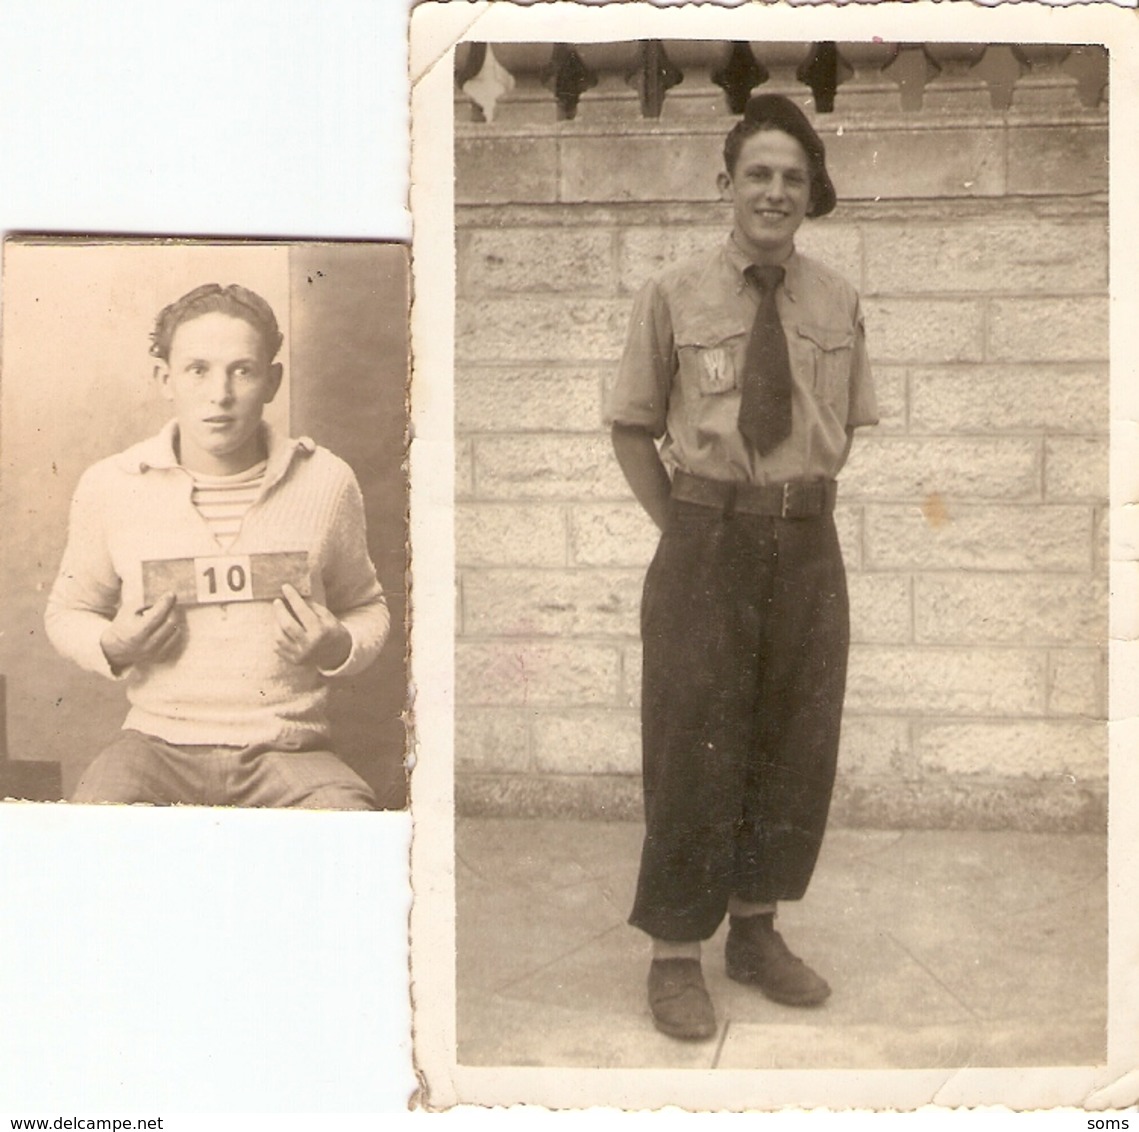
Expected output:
(782, 399)
(205, 498)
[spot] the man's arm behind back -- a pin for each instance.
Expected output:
(640, 461)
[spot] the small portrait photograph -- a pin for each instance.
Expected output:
(204, 493)
(783, 390)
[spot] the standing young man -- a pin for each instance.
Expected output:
(221, 572)
(748, 365)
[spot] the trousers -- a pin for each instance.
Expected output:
(143, 768)
(746, 630)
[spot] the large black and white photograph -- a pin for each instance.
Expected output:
(782, 398)
(205, 509)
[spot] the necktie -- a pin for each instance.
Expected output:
(765, 403)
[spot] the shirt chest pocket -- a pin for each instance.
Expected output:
(711, 364)
(825, 354)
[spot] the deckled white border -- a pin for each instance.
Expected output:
(435, 30)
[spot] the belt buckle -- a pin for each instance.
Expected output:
(785, 507)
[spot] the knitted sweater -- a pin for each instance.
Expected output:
(225, 683)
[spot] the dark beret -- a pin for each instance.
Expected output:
(780, 113)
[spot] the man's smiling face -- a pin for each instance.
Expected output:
(769, 191)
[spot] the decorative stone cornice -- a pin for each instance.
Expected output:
(516, 83)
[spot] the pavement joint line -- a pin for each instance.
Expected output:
(903, 871)
(1064, 897)
(944, 986)
(495, 881)
(868, 854)
(461, 859)
(557, 959)
(720, 1044)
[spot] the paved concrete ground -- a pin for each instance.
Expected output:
(943, 948)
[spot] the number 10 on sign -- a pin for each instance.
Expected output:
(224, 579)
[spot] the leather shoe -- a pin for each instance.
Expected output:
(679, 1000)
(756, 954)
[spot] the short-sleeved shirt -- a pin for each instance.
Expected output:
(680, 374)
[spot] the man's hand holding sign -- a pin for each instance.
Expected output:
(307, 633)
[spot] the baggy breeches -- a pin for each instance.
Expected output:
(746, 630)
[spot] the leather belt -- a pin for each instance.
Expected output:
(792, 499)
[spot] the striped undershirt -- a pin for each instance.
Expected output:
(223, 500)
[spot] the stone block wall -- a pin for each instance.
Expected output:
(972, 519)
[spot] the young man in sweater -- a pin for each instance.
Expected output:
(748, 364)
(221, 573)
